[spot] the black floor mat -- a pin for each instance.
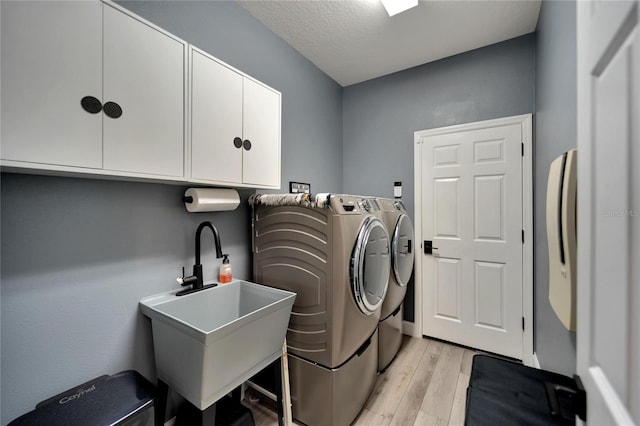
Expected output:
(507, 393)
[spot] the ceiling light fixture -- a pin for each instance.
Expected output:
(394, 7)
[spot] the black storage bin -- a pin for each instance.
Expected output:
(123, 399)
(502, 392)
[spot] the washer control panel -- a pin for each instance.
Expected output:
(354, 204)
(369, 205)
(399, 205)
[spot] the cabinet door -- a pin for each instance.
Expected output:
(51, 59)
(261, 163)
(216, 120)
(144, 75)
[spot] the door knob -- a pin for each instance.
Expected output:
(428, 247)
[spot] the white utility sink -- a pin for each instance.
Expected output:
(209, 342)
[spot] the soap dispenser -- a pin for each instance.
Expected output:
(225, 270)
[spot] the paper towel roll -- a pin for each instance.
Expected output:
(211, 199)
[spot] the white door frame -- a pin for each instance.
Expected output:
(525, 121)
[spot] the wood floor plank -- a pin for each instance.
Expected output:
(423, 419)
(410, 405)
(459, 401)
(435, 346)
(378, 389)
(467, 360)
(371, 418)
(407, 343)
(393, 383)
(438, 399)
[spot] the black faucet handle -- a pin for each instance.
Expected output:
(184, 281)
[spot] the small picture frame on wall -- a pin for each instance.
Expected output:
(299, 188)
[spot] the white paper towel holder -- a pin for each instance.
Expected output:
(210, 199)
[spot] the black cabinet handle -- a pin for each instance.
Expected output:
(112, 109)
(91, 105)
(237, 142)
(247, 144)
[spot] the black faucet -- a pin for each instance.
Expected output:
(196, 281)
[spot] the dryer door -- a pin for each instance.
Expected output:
(402, 250)
(370, 265)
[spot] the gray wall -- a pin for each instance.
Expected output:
(381, 115)
(555, 128)
(78, 254)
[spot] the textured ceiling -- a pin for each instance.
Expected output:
(355, 40)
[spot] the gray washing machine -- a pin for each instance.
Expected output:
(401, 232)
(335, 255)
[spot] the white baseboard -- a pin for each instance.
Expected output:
(531, 360)
(536, 363)
(409, 328)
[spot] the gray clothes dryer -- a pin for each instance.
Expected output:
(336, 258)
(401, 232)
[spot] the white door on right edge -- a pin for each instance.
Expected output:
(472, 213)
(608, 281)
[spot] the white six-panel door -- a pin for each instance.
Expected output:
(608, 285)
(472, 211)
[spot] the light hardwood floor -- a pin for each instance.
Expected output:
(425, 385)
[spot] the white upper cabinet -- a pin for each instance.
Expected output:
(86, 85)
(216, 120)
(90, 88)
(144, 76)
(51, 60)
(261, 135)
(235, 126)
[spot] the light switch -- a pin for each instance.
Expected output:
(397, 189)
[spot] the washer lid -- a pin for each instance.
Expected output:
(370, 265)
(402, 250)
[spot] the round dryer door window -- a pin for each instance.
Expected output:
(370, 265)
(402, 250)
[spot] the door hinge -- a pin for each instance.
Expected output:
(522, 323)
(522, 148)
(523, 236)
